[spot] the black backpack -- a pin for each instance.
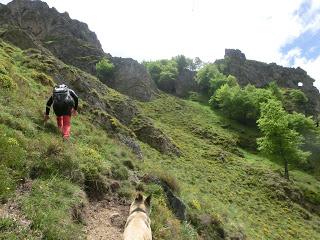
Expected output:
(61, 96)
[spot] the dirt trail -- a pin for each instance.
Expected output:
(106, 219)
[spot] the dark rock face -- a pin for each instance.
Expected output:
(69, 40)
(185, 83)
(261, 74)
(33, 24)
(132, 79)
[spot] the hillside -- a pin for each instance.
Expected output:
(207, 179)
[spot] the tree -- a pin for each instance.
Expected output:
(104, 68)
(295, 100)
(278, 139)
(197, 63)
(275, 90)
(164, 72)
(182, 62)
(241, 104)
(210, 79)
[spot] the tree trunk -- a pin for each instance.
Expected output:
(286, 170)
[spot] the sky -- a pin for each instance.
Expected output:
(286, 32)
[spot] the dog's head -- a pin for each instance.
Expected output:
(141, 204)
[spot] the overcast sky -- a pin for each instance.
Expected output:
(286, 32)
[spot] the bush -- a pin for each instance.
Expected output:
(6, 82)
(119, 172)
(43, 78)
(241, 104)
(104, 69)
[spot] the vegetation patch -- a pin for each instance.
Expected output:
(49, 206)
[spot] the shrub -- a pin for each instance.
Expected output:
(119, 172)
(43, 78)
(6, 82)
(104, 69)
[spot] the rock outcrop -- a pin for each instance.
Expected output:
(33, 24)
(185, 83)
(69, 40)
(261, 74)
(132, 79)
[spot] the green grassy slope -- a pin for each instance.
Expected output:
(228, 192)
(246, 194)
(47, 180)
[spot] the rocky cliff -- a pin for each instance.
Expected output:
(185, 83)
(33, 24)
(261, 74)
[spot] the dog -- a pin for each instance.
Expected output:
(138, 223)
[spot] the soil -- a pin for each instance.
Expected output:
(106, 219)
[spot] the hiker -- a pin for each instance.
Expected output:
(65, 103)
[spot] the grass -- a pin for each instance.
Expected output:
(219, 175)
(31, 149)
(246, 194)
(49, 207)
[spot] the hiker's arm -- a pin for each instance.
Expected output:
(48, 106)
(75, 98)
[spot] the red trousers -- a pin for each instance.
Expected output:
(64, 125)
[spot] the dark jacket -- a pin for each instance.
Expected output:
(65, 109)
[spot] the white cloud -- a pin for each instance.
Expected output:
(154, 29)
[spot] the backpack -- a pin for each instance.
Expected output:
(61, 96)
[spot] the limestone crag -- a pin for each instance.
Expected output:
(132, 79)
(185, 83)
(69, 40)
(33, 24)
(261, 74)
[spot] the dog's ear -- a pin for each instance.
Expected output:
(139, 198)
(147, 202)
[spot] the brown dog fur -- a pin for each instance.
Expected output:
(138, 222)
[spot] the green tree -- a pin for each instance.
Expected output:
(164, 73)
(295, 100)
(275, 90)
(104, 69)
(278, 139)
(210, 79)
(197, 64)
(182, 62)
(241, 104)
